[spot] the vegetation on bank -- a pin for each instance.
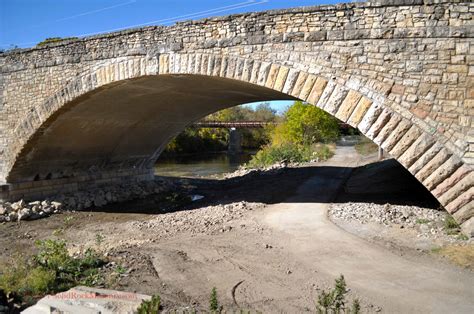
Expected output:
(54, 40)
(52, 269)
(302, 136)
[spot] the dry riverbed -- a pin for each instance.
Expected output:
(266, 243)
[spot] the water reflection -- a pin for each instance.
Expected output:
(201, 165)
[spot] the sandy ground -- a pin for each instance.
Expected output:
(274, 254)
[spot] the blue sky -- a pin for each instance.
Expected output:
(24, 23)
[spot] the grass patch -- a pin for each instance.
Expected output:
(422, 221)
(451, 227)
(462, 255)
(366, 147)
(54, 40)
(52, 269)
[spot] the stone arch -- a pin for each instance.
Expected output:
(434, 165)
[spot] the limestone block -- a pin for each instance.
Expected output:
(446, 169)
(322, 99)
(432, 165)
(448, 183)
(335, 100)
(263, 73)
(378, 125)
(255, 72)
(460, 187)
(359, 112)
(466, 212)
(425, 158)
(405, 142)
(348, 105)
(317, 89)
(420, 146)
(387, 129)
(307, 87)
(402, 127)
(281, 78)
(370, 117)
(290, 81)
(272, 75)
(300, 81)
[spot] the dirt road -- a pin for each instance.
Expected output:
(401, 284)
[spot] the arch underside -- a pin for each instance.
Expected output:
(126, 124)
(121, 124)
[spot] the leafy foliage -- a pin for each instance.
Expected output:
(150, 307)
(306, 124)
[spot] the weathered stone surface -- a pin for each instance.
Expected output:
(392, 140)
(359, 112)
(317, 90)
(405, 142)
(335, 100)
(387, 129)
(448, 183)
(425, 158)
(381, 121)
(466, 212)
(370, 117)
(446, 169)
(432, 165)
(348, 105)
(421, 145)
(459, 188)
(468, 227)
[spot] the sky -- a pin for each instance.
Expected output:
(24, 23)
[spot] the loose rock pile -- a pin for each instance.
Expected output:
(425, 221)
(242, 171)
(97, 197)
(210, 219)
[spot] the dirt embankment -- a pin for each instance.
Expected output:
(264, 241)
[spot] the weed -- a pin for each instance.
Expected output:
(450, 223)
(213, 302)
(462, 237)
(422, 221)
(150, 307)
(334, 300)
(68, 220)
(99, 239)
(120, 270)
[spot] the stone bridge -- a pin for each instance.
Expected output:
(99, 110)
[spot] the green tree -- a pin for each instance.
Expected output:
(306, 124)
